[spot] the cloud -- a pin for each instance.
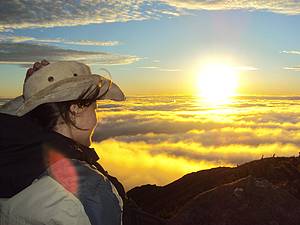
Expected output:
(253, 131)
(20, 39)
(170, 13)
(165, 137)
(87, 42)
(291, 52)
(30, 14)
(26, 53)
(16, 14)
(165, 162)
(245, 68)
(170, 70)
(284, 6)
(159, 69)
(158, 119)
(15, 39)
(79, 42)
(294, 68)
(158, 116)
(147, 67)
(134, 165)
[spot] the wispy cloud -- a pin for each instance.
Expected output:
(170, 13)
(15, 39)
(294, 68)
(295, 52)
(170, 70)
(158, 68)
(147, 67)
(26, 53)
(245, 68)
(283, 6)
(79, 42)
(20, 39)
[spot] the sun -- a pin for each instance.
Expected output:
(217, 82)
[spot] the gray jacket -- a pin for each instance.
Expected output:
(47, 178)
(70, 191)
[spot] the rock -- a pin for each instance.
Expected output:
(166, 201)
(247, 201)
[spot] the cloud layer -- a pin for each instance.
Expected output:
(29, 14)
(24, 14)
(156, 140)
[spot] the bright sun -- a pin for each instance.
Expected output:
(217, 82)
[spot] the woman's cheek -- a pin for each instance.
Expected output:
(94, 124)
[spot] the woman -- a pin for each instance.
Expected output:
(49, 175)
(48, 172)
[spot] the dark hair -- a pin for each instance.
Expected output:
(47, 114)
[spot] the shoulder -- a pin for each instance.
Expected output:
(97, 194)
(45, 202)
(77, 175)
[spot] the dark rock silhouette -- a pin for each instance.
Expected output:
(265, 191)
(246, 201)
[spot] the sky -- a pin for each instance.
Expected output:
(156, 47)
(208, 83)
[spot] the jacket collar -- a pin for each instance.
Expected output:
(74, 148)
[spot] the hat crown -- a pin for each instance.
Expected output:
(51, 74)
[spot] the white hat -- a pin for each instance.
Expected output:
(57, 82)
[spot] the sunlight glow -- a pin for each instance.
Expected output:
(217, 82)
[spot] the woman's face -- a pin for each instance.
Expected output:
(85, 118)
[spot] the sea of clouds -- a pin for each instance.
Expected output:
(158, 139)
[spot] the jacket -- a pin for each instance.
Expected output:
(47, 178)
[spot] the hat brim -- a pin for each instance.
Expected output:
(64, 90)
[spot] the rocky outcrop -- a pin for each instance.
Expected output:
(276, 178)
(247, 201)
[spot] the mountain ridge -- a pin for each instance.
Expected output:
(169, 200)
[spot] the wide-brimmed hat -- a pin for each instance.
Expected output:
(57, 82)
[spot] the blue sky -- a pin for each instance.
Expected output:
(160, 47)
(157, 47)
